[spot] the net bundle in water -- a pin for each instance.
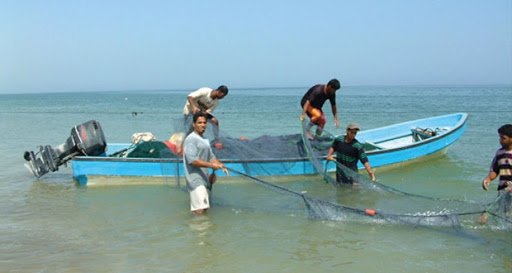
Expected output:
(399, 206)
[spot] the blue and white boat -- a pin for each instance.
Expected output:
(264, 156)
(413, 139)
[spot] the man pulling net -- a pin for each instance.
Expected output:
(391, 204)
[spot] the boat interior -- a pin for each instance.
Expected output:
(415, 135)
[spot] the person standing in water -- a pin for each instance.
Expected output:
(348, 152)
(501, 166)
(198, 157)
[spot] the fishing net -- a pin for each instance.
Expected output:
(267, 158)
(172, 171)
(154, 150)
(321, 209)
(500, 212)
(394, 205)
(262, 156)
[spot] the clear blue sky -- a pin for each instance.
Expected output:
(56, 46)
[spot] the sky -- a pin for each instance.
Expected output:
(73, 46)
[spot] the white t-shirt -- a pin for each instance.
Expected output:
(202, 98)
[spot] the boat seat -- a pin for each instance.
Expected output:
(419, 134)
(368, 145)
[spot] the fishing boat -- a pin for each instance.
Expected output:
(286, 155)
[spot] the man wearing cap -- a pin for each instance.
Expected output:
(205, 100)
(312, 103)
(348, 152)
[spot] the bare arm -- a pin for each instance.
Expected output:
(193, 104)
(329, 154)
(369, 170)
(199, 163)
(222, 166)
(214, 164)
(491, 176)
(305, 109)
(335, 115)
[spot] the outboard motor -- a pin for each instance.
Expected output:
(86, 139)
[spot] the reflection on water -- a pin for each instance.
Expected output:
(200, 225)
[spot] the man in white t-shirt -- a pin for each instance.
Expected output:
(204, 100)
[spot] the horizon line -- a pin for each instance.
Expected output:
(255, 88)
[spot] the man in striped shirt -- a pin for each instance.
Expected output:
(348, 152)
(502, 163)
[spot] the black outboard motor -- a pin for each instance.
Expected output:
(86, 139)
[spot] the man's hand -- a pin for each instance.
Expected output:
(217, 165)
(485, 183)
(372, 176)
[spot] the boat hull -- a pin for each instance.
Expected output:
(85, 167)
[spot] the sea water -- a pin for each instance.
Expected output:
(52, 225)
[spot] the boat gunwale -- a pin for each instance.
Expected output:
(176, 160)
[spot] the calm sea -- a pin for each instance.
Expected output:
(52, 225)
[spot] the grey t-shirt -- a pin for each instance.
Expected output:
(196, 147)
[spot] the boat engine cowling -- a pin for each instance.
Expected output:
(86, 139)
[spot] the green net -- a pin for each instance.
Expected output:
(500, 212)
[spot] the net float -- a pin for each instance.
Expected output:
(370, 212)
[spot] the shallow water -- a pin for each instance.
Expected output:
(52, 225)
